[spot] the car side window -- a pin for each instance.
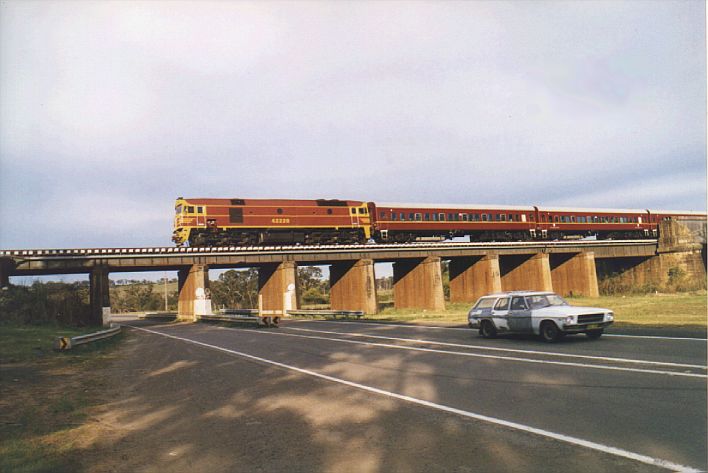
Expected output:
(502, 304)
(517, 303)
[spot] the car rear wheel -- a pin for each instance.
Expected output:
(487, 329)
(594, 334)
(550, 332)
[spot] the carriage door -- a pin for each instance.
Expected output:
(500, 313)
(201, 215)
(353, 217)
(519, 315)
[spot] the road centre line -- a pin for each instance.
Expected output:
(475, 355)
(512, 350)
(466, 329)
(471, 415)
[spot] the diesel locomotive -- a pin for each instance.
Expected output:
(247, 222)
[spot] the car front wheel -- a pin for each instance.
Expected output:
(550, 332)
(594, 334)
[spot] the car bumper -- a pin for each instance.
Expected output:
(579, 328)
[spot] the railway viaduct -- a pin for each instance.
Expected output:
(566, 267)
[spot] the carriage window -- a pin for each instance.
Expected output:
(555, 218)
(410, 216)
(511, 217)
(383, 215)
(393, 215)
(532, 217)
(418, 217)
(543, 218)
(427, 216)
(435, 217)
(465, 217)
(441, 217)
(502, 304)
(517, 303)
(403, 216)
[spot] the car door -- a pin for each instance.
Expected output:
(500, 313)
(519, 318)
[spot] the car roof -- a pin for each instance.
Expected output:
(518, 293)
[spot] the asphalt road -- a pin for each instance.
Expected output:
(443, 399)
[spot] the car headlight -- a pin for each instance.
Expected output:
(569, 320)
(610, 317)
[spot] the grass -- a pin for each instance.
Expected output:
(45, 395)
(650, 310)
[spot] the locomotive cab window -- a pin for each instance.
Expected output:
(353, 210)
(190, 210)
(200, 210)
(362, 210)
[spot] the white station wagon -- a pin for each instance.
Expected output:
(542, 313)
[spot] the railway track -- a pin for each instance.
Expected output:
(72, 252)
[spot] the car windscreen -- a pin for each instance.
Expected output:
(485, 303)
(540, 301)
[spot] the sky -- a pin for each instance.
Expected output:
(110, 110)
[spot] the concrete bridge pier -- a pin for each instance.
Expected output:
(277, 289)
(352, 286)
(474, 276)
(194, 298)
(525, 272)
(417, 284)
(574, 274)
(5, 273)
(99, 297)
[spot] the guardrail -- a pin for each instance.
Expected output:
(158, 315)
(67, 343)
(327, 313)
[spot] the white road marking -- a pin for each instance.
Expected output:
(476, 355)
(511, 350)
(452, 410)
(436, 327)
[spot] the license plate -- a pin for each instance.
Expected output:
(593, 325)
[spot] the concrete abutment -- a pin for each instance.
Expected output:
(353, 286)
(525, 272)
(417, 284)
(99, 296)
(193, 286)
(473, 277)
(574, 274)
(277, 288)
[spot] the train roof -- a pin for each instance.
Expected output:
(697, 213)
(592, 210)
(417, 205)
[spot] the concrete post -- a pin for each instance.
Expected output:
(277, 289)
(99, 297)
(574, 274)
(194, 298)
(4, 274)
(417, 284)
(473, 277)
(525, 272)
(352, 286)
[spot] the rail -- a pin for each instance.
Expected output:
(153, 251)
(67, 343)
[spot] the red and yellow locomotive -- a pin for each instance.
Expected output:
(225, 222)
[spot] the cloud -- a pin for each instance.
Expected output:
(572, 103)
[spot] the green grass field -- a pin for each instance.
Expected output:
(45, 394)
(651, 310)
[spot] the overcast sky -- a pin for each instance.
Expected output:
(110, 110)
